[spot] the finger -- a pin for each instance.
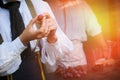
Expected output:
(43, 25)
(43, 31)
(46, 28)
(51, 22)
(51, 25)
(39, 34)
(47, 15)
(48, 31)
(39, 21)
(40, 17)
(43, 22)
(33, 20)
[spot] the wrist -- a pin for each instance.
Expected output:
(23, 40)
(52, 39)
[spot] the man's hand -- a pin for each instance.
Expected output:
(30, 33)
(50, 23)
(46, 28)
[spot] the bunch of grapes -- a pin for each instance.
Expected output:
(98, 68)
(71, 72)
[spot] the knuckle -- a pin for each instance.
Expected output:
(32, 20)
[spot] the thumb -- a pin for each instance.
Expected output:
(40, 17)
(47, 15)
(43, 22)
(33, 21)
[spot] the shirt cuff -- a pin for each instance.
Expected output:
(18, 45)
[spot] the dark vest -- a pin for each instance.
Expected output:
(29, 68)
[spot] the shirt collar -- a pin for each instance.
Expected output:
(6, 1)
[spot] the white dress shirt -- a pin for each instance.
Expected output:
(77, 20)
(10, 51)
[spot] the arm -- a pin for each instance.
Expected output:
(93, 29)
(100, 41)
(57, 43)
(10, 59)
(102, 44)
(10, 56)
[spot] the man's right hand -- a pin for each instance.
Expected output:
(30, 33)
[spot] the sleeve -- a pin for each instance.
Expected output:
(51, 52)
(10, 56)
(92, 26)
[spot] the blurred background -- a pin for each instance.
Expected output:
(108, 15)
(107, 12)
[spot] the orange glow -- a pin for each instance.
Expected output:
(107, 13)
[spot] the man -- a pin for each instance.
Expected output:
(77, 20)
(19, 46)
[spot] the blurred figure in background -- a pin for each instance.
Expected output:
(77, 20)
